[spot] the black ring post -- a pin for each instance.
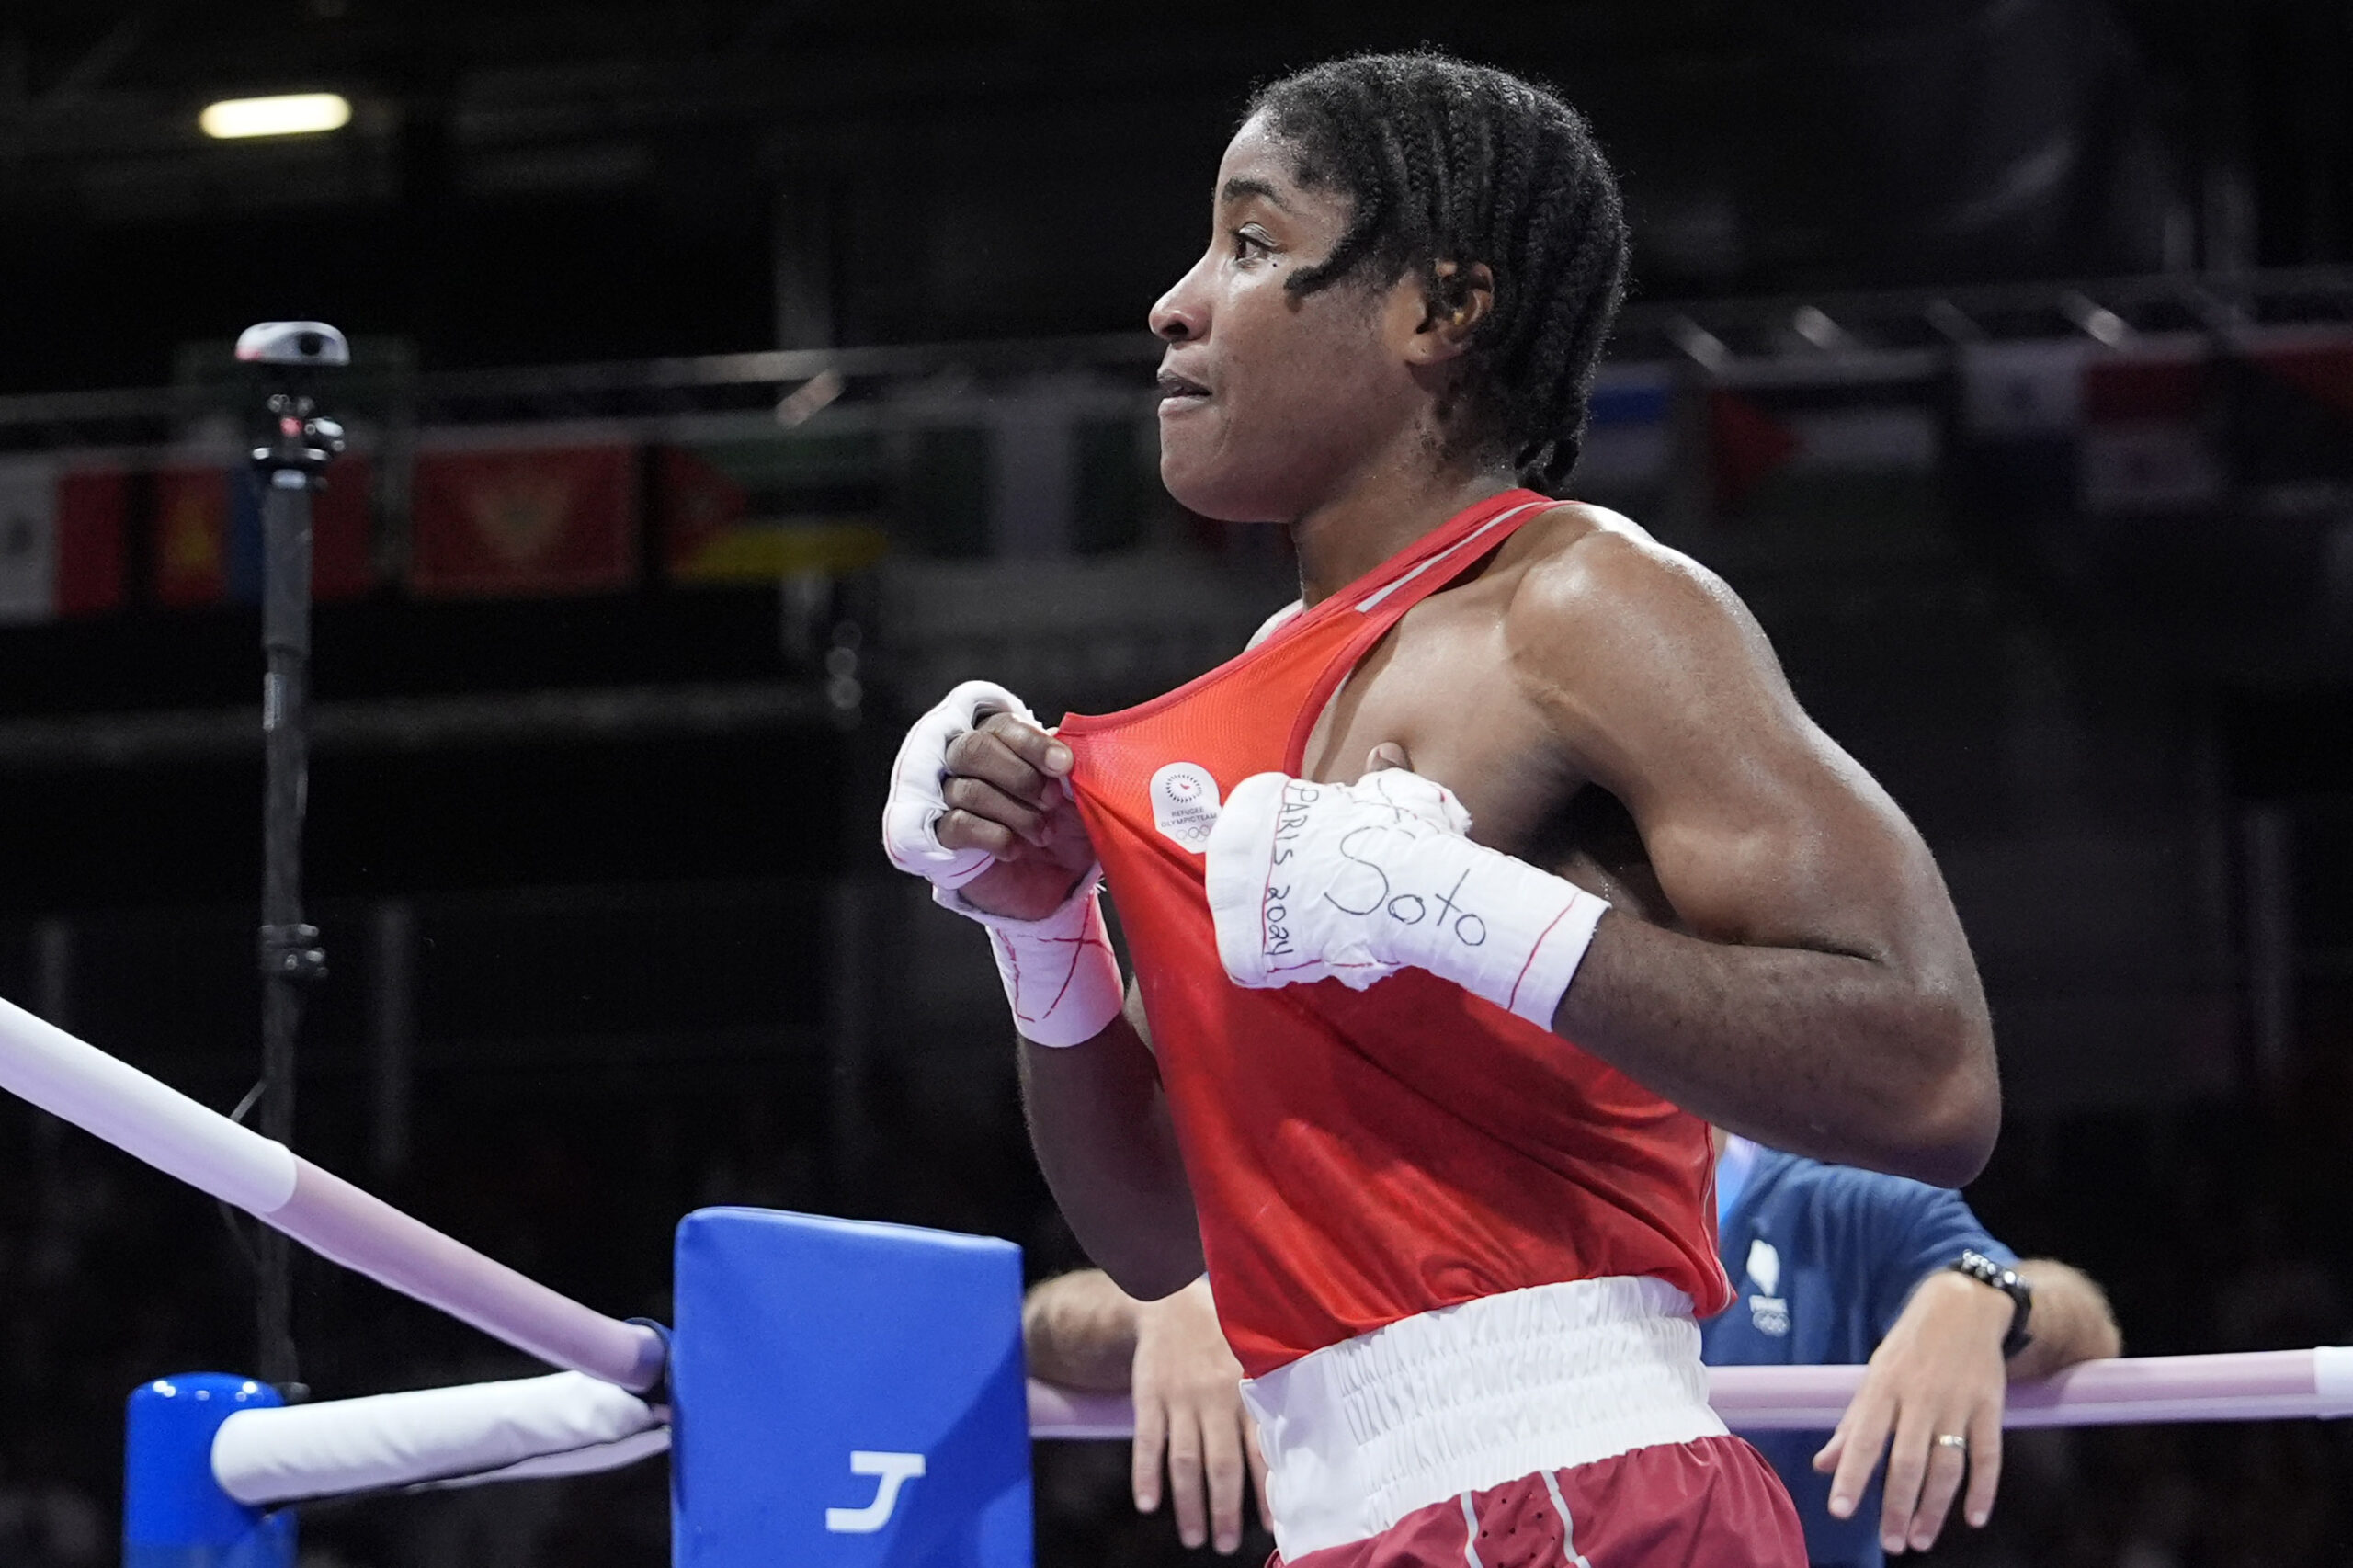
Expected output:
(288, 470)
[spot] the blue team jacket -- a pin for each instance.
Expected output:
(1822, 1258)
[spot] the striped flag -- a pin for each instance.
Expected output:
(2029, 389)
(93, 516)
(28, 541)
(343, 532)
(2148, 440)
(756, 511)
(61, 541)
(1628, 438)
(1861, 435)
(2292, 416)
(192, 531)
(2022, 419)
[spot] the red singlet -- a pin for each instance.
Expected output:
(1360, 1157)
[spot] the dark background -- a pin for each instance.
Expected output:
(540, 181)
(590, 973)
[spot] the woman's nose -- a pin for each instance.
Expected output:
(1181, 315)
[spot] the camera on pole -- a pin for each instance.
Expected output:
(289, 463)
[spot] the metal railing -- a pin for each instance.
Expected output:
(2103, 309)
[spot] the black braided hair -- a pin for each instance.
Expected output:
(1447, 161)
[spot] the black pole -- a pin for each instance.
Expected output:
(288, 469)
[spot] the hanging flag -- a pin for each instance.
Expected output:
(61, 541)
(1748, 446)
(1858, 436)
(192, 535)
(2149, 425)
(756, 511)
(2022, 419)
(542, 520)
(343, 532)
(2029, 389)
(27, 540)
(701, 509)
(2292, 416)
(1628, 436)
(93, 517)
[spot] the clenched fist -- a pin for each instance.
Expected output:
(980, 807)
(1353, 882)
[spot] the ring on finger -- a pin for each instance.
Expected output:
(1952, 1440)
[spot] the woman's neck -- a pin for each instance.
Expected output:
(1347, 537)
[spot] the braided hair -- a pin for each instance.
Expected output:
(1444, 161)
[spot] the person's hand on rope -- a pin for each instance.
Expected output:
(1188, 1410)
(1932, 1402)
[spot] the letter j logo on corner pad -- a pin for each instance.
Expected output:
(1184, 806)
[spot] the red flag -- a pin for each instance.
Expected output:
(191, 535)
(2148, 386)
(548, 520)
(2322, 371)
(1748, 445)
(2146, 445)
(343, 532)
(91, 508)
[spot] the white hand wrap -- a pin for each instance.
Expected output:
(1355, 881)
(1060, 974)
(912, 810)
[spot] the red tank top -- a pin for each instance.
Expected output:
(1358, 1158)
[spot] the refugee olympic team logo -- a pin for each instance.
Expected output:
(1185, 804)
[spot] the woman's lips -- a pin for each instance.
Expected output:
(1179, 392)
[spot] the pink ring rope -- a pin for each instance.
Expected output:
(115, 1101)
(147, 1119)
(2262, 1385)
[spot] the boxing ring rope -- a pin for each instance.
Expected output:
(568, 1425)
(2260, 1385)
(532, 1428)
(2254, 1385)
(590, 1417)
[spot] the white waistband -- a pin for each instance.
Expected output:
(1358, 1434)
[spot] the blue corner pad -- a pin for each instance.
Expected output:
(847, 1394)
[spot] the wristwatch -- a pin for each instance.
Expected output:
(1986, 1271)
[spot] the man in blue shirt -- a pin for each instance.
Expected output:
(1832, 1265)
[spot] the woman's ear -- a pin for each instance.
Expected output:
(1458, 298)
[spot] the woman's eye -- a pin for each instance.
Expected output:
(1248, 245)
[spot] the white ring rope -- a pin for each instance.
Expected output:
(571, 1425)
(2261, 1385)
(156, 1123)
(565, 1425)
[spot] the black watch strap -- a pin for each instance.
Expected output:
(1986, 1271)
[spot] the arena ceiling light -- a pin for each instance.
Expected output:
(287, 114)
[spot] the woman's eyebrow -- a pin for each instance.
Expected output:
(1235, 189)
